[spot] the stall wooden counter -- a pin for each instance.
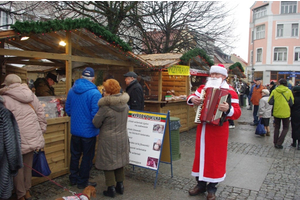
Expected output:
(57, 148)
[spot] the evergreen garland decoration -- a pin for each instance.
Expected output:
(193, 53)
(68, 25)
(237, 64)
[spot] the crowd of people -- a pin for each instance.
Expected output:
(99, 114)
(279, 102)
(92, 114)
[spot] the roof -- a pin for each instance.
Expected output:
(87, 48)
(163, 60)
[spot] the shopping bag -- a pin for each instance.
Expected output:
(260, 129)
(40, 164)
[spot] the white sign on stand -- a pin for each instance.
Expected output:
(148, 142)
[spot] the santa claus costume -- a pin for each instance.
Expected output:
(211, 140)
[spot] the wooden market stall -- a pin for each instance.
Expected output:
(161, 82)
(87, 44)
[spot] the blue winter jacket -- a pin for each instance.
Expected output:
(82, 106)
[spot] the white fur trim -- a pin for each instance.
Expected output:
(218, 69)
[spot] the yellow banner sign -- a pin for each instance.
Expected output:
(182, 70)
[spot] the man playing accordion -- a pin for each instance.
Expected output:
(209, 166)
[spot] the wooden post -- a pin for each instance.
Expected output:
(68, 62)
(187, 94)
(160, 88)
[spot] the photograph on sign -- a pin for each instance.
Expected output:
(146, 132)
(157, 144)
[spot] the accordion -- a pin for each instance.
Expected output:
(208, 111)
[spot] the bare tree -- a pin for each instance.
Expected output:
(176, 26)
(150, 26)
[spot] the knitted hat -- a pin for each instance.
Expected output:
(220, 69)
(265, 91)
(11, 78)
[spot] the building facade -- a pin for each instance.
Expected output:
(274, 44)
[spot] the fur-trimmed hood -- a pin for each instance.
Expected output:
(116, 102)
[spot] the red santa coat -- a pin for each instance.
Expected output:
(211, 143)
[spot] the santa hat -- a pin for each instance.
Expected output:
(220, 69)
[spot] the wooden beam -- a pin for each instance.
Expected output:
(68, 62)
(33, 54)
(9, 33)
(57, 56)
(34, 63)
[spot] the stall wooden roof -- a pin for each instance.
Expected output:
(163, 60)
(86, 48)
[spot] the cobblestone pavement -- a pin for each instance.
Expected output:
(282, 180)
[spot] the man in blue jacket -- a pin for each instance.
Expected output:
(82, 106)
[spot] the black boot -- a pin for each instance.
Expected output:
(298, 148)
(120, 188)
(294, 143)
(110, 192)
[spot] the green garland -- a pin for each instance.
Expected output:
(193, 53)
(237, 64)
(69, 24)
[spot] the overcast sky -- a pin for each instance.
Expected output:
(242, 16)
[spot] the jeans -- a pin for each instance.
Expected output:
(86, 147)
(249, 101)
(255, 117)
(279, 139)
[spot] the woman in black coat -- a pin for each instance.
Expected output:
(295, 117)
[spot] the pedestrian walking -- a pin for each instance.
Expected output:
(135, 91)
(209, 167)
(264, 111)
(81, 106)
(255, 97)
(281, 99)
(113, 141)
(30, 116)
(295, 117)
(250, 94)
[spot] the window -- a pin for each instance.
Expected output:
(280, 54)
(252, 36)
(260, 32)
(258, 55)
(4, 19)
(297, 54)
(288, 7)
(279, 30)
(295, 30)
(260, 12)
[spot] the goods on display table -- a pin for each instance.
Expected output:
(54, 106)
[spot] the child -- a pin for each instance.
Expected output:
(264, 111)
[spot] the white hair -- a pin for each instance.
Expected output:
(87, 78)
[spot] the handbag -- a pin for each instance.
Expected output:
(260, 129)
(40, 164)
